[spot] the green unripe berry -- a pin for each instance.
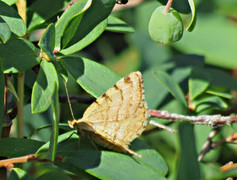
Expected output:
(165, 28)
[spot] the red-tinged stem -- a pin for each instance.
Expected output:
(168, 5)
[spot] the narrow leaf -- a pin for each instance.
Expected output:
(93, 77)
(75, 10)
(11, 17)
(218, 92)
(194, 16)
(86, 32)
(5, 32)
(47, 41)
(210, 103)
(88, 39)
(169, 83)
(198, 82)
(44, 87)
(118, 25)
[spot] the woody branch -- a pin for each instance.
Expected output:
(211, 120)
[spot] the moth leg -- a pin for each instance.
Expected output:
(92, 143)
(132, 152)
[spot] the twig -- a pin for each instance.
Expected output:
(229, 166)
(22, 159)
(207, 146)
(211, 120)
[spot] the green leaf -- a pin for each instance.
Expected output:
(47, 41)
(2, 82)
(169, 83)
(40, 11)
(44, 87)
(117, 25)
(180, 66)
(188, 164)
(48, 171)
(61, 71)
(214, 37)
(18, 55)
(88, 39)
(94, 78)
(210, 103)
(150, 157)
(86, 32)
(14, 21)
(198, 82)
(104, 164)
(19, 174)
(10, 2)
(194, 16)
(219, 92)
(18, 147)
(70, 30)
(76, 10)
(5, 32)
(94, 162)
(222, 79)
(108, 165)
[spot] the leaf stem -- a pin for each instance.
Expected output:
(168, 5)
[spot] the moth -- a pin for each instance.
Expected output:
(117, 117)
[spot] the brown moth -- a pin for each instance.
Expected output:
(116, 118)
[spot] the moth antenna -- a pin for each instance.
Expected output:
(68, 99)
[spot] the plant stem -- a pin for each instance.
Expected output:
(20, 92)
(21, 7)
(54, 136)
(168, 5)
